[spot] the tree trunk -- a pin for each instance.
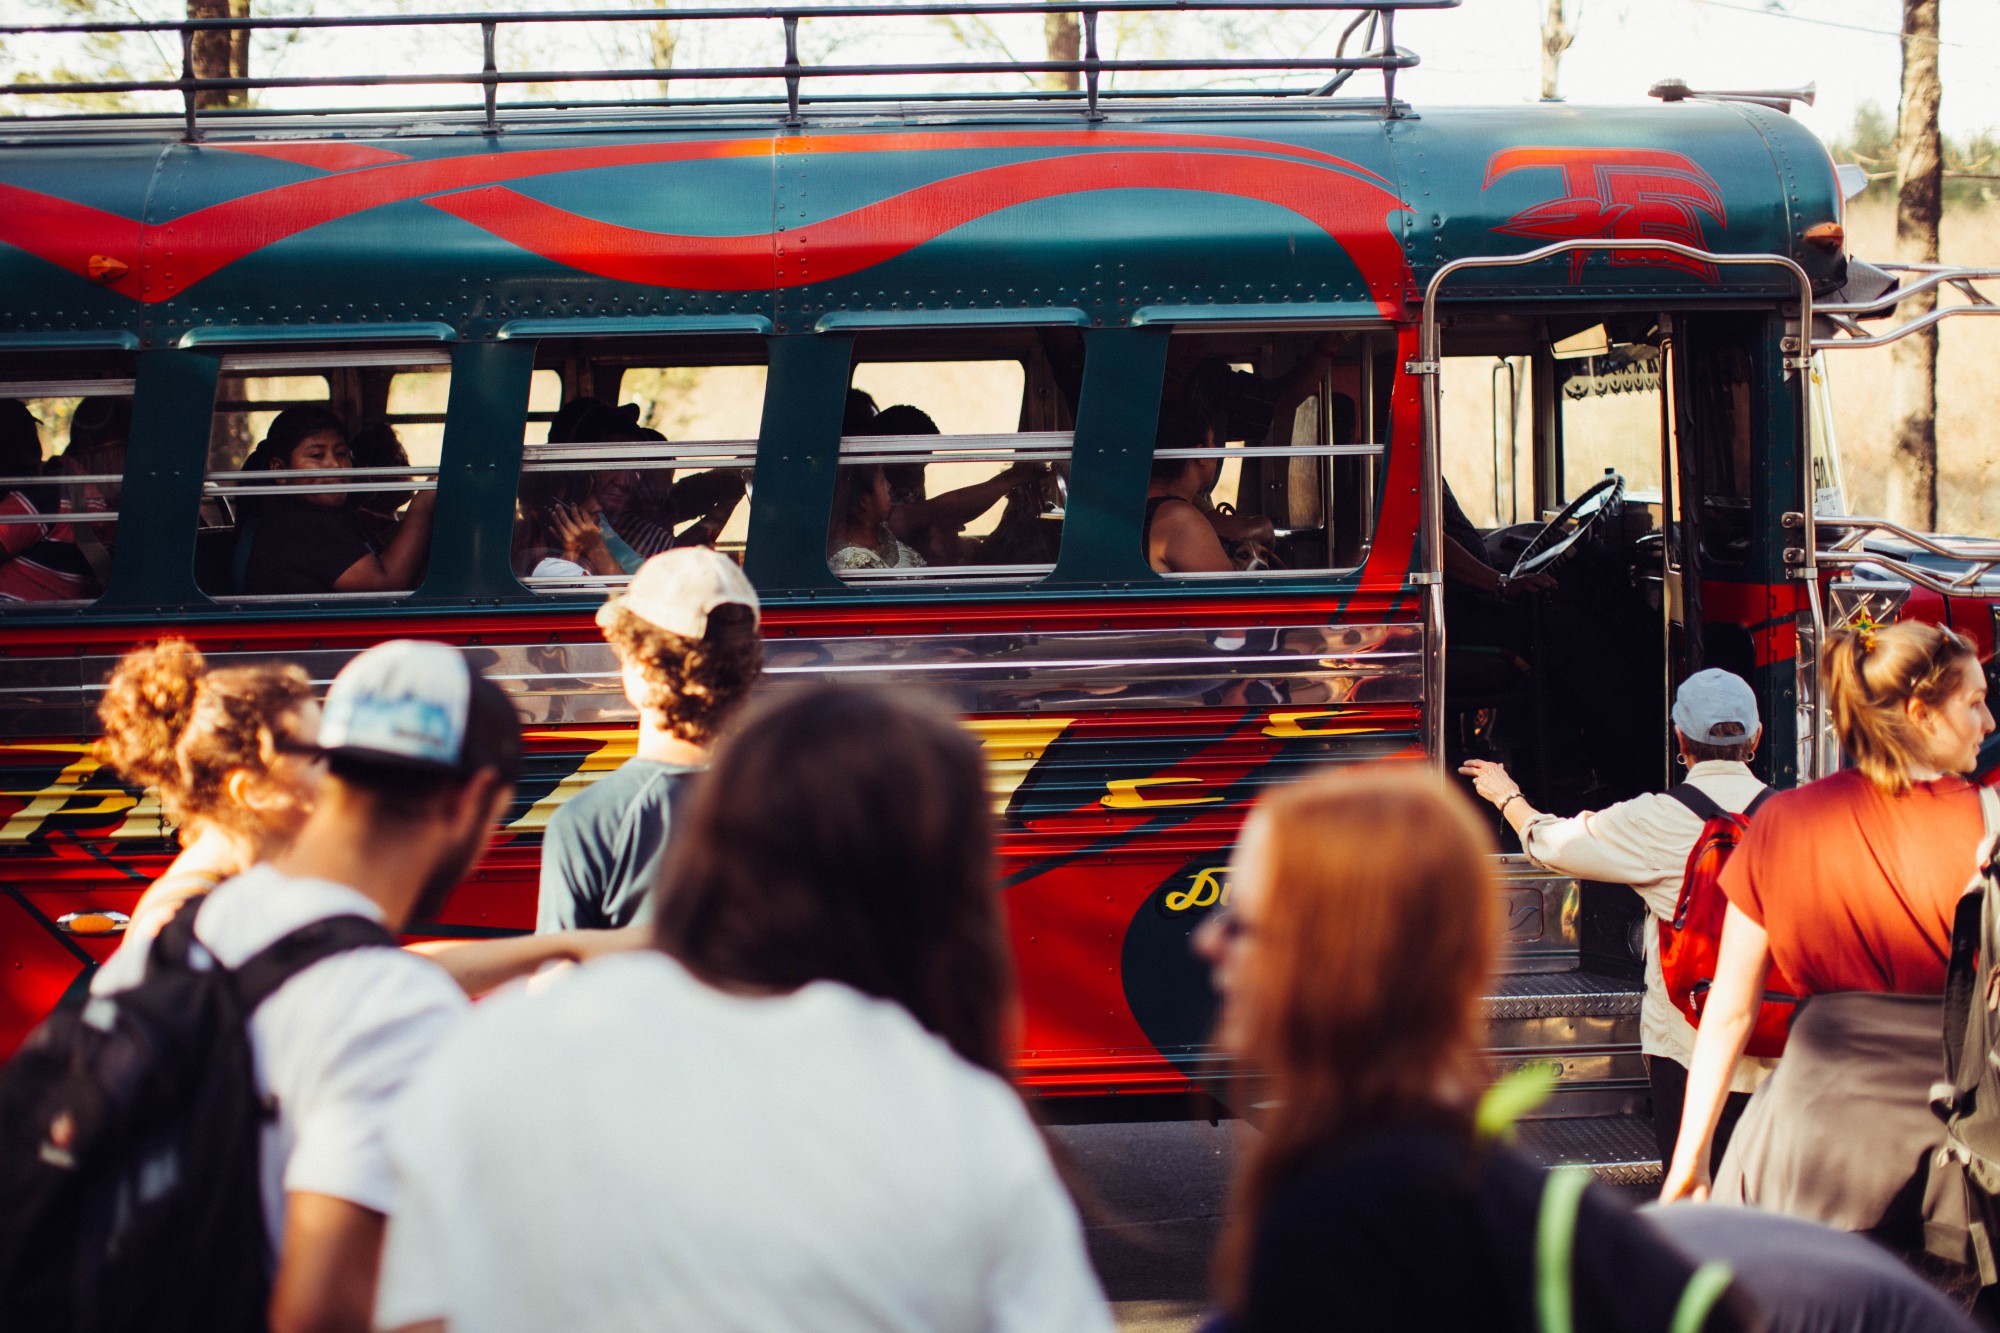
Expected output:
(219, 54)
(664, 40)
(1556, 38)
(1063, 35)
(1912, 480)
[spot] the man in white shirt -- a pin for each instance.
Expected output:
(1644, 843)
(422, 753)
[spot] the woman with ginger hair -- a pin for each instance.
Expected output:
(1352, 960)
(1850, 883)
(230, 753)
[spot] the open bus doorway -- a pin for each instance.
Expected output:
(1559, 594)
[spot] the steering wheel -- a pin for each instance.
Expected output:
(1587, 511)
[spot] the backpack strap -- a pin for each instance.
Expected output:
(1961, 976)
(1757, 801)
(284, 958)
(1699, 803)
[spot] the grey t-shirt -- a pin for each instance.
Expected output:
(601, 853)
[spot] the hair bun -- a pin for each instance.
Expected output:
(146, 707)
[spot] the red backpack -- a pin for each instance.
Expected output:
(1689, 943)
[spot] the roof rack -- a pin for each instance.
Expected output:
(1378, 16)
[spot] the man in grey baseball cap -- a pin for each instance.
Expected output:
(685, 632)
(1644, 842)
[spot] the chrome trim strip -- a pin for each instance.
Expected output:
(1316, 669)
(105, 388)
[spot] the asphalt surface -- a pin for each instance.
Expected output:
(1159, 1193)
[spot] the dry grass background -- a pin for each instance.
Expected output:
(1968, 399)
(1968, 385)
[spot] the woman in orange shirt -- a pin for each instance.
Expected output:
(1850, 884)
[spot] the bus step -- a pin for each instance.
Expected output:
(1526, 996)
(1618, 1149)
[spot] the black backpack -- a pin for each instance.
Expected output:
(129, 1133)
(1968, 1101)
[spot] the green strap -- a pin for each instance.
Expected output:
(1511, 1097)
(1555, 1246)
(1698, 1298)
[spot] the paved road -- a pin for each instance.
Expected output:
(1159, 1205)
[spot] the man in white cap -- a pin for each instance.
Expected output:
(1644, 843)
(685, 632)
(422, 754)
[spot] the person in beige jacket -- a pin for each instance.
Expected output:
(1644, 843)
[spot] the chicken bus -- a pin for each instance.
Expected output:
(1515, 417)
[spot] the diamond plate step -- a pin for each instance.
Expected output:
(1582, 1026)
(1522, 995)
(1619, 1149)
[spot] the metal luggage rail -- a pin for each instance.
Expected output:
(1981, 556)
(793, 73)
(1923, 279)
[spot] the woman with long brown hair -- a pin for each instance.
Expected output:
(795, 1113)
(1352, 957)
(1850, 884)
(229, 753)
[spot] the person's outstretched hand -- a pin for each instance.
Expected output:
(1489, 779)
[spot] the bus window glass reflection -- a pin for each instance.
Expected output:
(634, 447)
(1270, 441)
(308, 493)
(955, 454)
(64, 423)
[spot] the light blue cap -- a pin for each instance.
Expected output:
(1709, 700)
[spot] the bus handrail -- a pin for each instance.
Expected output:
(1090, 70)
(1845, 315)
(1798, 362)
(1982, 554)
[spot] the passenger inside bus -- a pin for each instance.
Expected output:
(563, 533)
(1183, 532)
(97, 436)
(860, 536)
(376, 444)
(314, 542)
(39, 562)
(935, 525)
(648, 508)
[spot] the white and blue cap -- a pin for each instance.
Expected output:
(413, 705)
(1716, 707)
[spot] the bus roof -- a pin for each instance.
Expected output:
(122, 234)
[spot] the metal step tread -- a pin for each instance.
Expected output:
(1619, 1148)
(1556, 994)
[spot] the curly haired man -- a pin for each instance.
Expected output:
(685, 632)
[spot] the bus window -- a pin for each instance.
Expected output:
(635, 446)
(955, 457)
(1267, 450)
(64, 420)
(1609, 394)
(365, 427)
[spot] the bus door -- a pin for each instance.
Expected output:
(1552, 434)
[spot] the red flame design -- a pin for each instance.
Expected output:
(1618, 194)
(165, 259)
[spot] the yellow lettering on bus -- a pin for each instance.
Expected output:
(1125, 794)
(56, 797)
(1210, 889)
(1293, 726)
(614, 747)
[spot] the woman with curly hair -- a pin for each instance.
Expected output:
(685, 633)
(231, 754)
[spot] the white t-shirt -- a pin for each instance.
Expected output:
(632, 1149)
(334, 1044)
